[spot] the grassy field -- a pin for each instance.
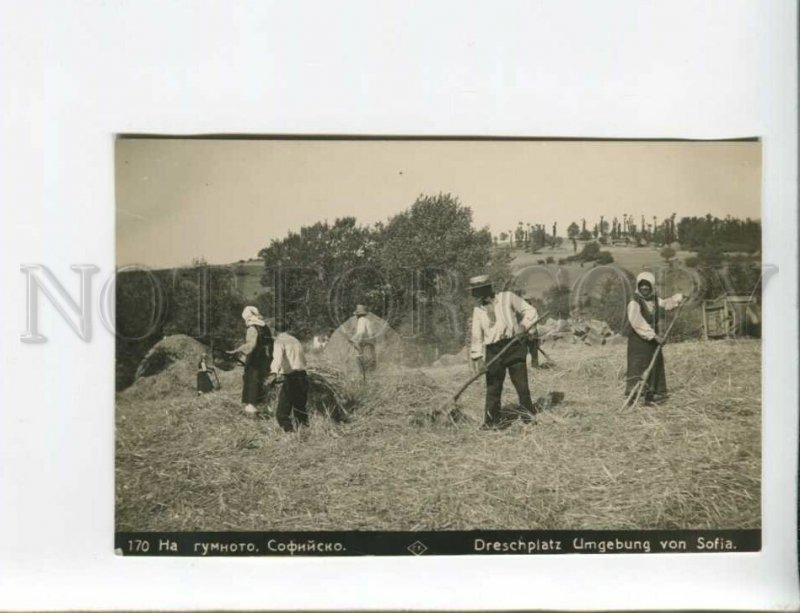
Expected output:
(196, 463)
(537, 279)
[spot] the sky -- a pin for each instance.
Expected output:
(224, 200)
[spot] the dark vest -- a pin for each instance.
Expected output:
(653, 317)
(263, 350)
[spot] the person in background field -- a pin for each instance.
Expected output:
(289, 369)
(645, 318)
(496, 319)
(319, 342)
(257, 352)
(204, 382)
(364, 340)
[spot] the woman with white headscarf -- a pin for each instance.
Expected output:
(257, 352)
(646, 321)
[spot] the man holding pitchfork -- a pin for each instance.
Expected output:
(496, 320)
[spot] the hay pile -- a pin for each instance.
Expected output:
(340, 354)
(169, 366)
(196, 463)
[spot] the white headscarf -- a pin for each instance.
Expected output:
(648, 277)
(252, 317)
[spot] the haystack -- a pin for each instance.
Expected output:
(169, 367)
(330, 393)
(340, 351)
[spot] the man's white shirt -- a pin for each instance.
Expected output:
(512, 316)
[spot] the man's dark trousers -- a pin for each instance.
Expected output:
(533, 348)
(291, 411)
(512, 361)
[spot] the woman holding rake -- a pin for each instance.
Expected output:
(646, 314)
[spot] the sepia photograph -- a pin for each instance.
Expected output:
(401, 307)
(408, 335)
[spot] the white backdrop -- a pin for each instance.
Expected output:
(74, 74)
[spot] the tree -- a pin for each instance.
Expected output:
(573, 230)
(519, 235)
(300, 268)
(435, 238)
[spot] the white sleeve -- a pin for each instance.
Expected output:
(476, 346)
(361, 329)
(638, 323)
(250, 339)
(670, 303)
(277, 358)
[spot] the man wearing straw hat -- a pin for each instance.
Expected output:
(364, 340)
(496, 320)
(645, 316)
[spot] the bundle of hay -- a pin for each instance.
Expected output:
(170, 367)
(399, 397)
(330, 393)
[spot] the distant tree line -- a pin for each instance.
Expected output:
(693, 233)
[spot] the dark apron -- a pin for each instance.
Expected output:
(256, 367)
(640, 354)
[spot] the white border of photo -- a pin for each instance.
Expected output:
(76, 74)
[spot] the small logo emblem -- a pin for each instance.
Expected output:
(417, 548)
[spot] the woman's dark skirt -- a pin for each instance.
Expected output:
(253, 391)
(640, 353)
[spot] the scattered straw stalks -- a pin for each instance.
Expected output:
(197, 463)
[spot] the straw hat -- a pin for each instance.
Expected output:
(479, 282)
(360, 310)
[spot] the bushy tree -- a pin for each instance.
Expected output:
(300, 269)
(573, 230)
(436, 239)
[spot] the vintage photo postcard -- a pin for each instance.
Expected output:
(402, 346)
